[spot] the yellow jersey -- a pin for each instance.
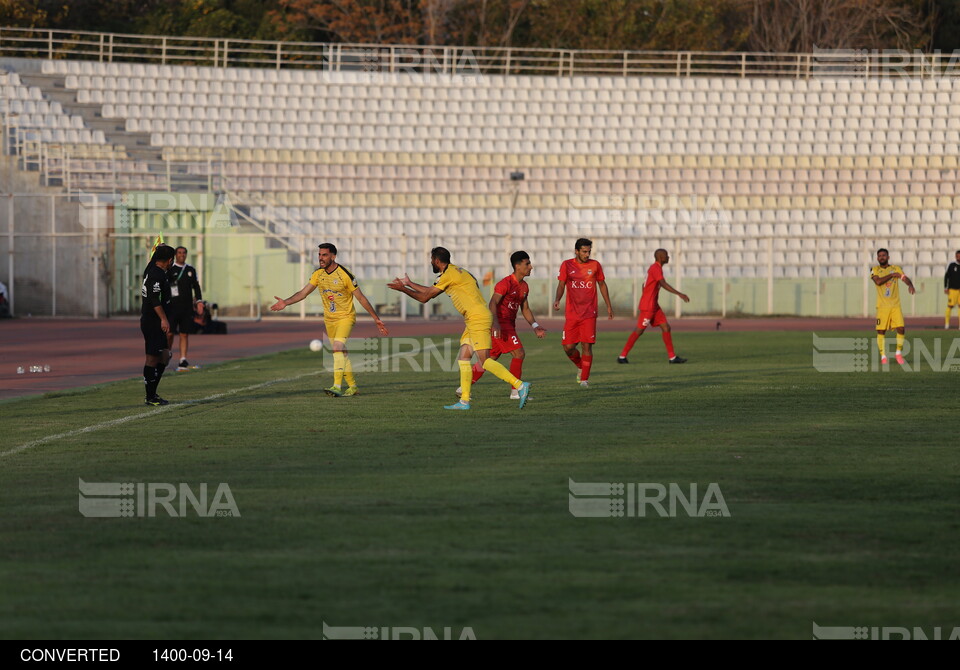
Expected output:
(464, 291)
(888, 295)
(336, 291)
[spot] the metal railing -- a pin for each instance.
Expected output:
(77, 169)
(224, 52)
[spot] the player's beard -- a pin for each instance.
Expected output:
(433, 266)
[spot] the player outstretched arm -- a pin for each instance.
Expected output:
(418, 292)
(292, 300)
(531, 319)
(664, 285)
(362, 299)
(602, 285)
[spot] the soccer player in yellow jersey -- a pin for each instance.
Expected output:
(338, 288)
(951, 287)
(464, 291)
(889, 315)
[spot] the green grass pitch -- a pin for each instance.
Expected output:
(383, 510)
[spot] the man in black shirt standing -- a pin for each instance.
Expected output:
(184, 296)
(155, 293)
(951, 286)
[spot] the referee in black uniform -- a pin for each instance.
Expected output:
(185, 294)
(155, 292)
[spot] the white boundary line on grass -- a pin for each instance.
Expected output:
(143, 415)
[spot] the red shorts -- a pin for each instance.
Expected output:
(580, 330)
(507, 342)
(655, 318)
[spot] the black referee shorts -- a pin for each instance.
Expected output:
(154, 339)
(181, 319)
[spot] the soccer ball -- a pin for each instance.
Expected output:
(316, 345)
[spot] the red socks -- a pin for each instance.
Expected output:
(668, 340)
(634, 336)
(477, 372)
(587, 362)
(575, 357)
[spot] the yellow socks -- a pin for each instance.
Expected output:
(882, 343)
(348, 371)
(338, 363)
(949, 312)
(466, 380)
(900, 340)
(500, 372)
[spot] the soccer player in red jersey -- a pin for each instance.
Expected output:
(581, 276)
(650, 312)
(510, 297)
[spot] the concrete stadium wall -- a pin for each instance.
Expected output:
(52, 274)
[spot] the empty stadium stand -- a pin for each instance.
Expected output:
(742, 177)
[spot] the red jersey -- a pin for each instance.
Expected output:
(650, 300)
(514, 293)
(581, 280)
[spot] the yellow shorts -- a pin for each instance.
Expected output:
(477, 333)
(339, 330)
(889, 318)
(954, 298)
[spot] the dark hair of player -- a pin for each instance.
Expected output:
(581, 243)
(440, 254)
(518, 257)
(179, 248)
(884, 251)
(163, 253)
(329, 247)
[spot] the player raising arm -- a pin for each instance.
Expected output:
(464, 291)
(338, 288)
